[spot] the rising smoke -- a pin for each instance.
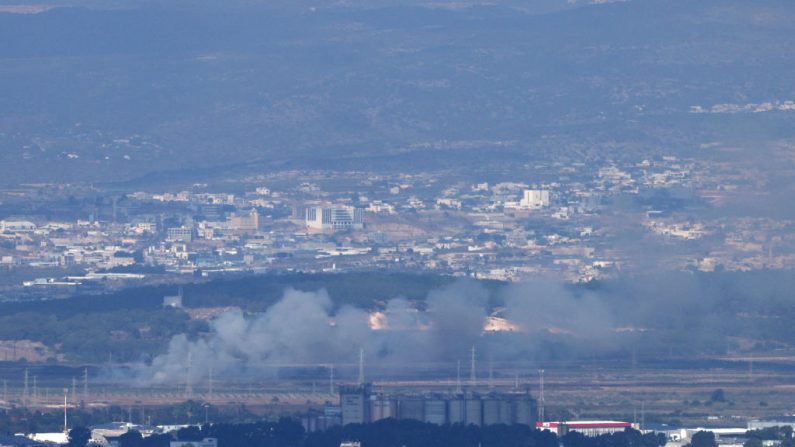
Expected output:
(302, 328)
(538, 321)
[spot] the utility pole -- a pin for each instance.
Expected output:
(642, 414)
(210, 383)
(65, 425)
(458, 378)
(85, 385)
(25, 390)
(188, 386)
(541, 402)
(331, 379)
(491, 372)
(361, 366)
(472, 377)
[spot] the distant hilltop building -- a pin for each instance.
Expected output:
(334, 218)
(245, 222)
(179, 234)
(17, 226)
(173, 301)
(535, 198)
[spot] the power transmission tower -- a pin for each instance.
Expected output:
(541, 401)
(472, 376)
(85, 385)
(361, 366)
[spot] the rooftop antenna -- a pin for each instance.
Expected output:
(458, 378)
(472, 378)
(74, 389)
(541, 402)
(361, 366)
(65, 425)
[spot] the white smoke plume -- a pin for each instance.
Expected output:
(302, 328)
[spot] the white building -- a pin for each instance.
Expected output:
(179, 234)
(587, 428)
(59, 438)
(17, 226)
(535, 199)
(334, 219)
(245, 221)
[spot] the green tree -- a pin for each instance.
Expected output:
(718, 396)
(132, 438)
(79, 436)
(703, 439)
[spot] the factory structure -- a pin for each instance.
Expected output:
(360, 405)
(587, 428)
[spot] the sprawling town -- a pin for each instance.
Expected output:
(568, 220)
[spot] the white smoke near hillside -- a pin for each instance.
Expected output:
(303, 328)
(545, 305)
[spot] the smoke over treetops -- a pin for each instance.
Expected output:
(534, 321)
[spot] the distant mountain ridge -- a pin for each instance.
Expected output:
(116, 94)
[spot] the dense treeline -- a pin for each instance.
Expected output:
(686, 313)
(254, 292)
(697, 312)
(130, 324)
(24, 420)
(389, 433)
(782, 435)
(409, 433)
(627, 438)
